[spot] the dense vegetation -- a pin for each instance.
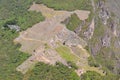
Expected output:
(17, 13)
(73, 23)
(91, 75)
(92, 62)
(67, 5)
(48, 72)
(13, 12)
(10, 58)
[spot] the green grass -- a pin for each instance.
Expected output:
(66, 54)
(92, 62)
(74, 22)
(91, 75)
(67, 5)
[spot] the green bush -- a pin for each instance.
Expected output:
(91, 75)
(48, 72)
(92, 62)
(14, 12)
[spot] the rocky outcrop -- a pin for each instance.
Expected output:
(106, 41)
(89, 32)
(78, 29)
(104, 14)
(14, 27)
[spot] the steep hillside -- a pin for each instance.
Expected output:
(59, 40)
(15, 17)
(104, 44)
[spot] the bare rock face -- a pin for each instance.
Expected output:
(114, 7)
(103, 13)
(106, 41)
(89, 32)
(78, 29)
(14, 27)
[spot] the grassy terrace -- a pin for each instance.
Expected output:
(74, 22)
(66, 54)
(73, 57)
